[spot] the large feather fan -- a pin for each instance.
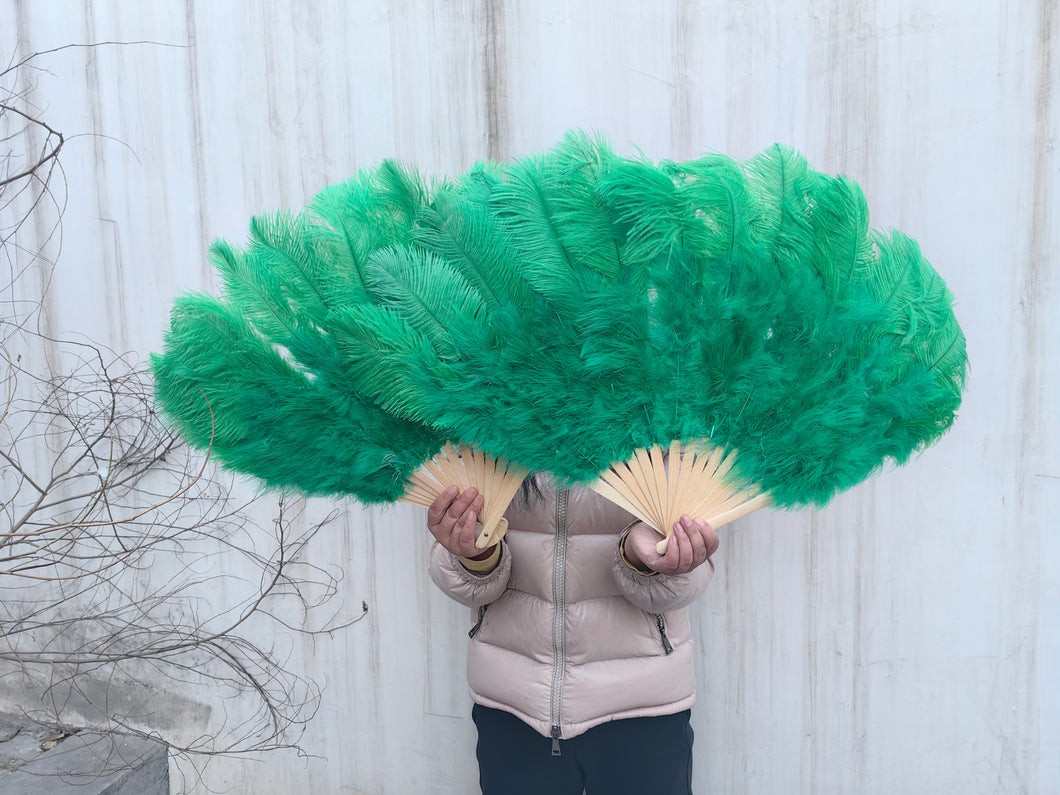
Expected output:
(704, 337)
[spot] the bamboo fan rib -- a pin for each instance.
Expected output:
(496, 480)
(693, 480)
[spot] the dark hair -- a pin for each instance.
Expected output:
(529, 491)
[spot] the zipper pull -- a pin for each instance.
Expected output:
(667, 646)
(555, 742)
(481, 615)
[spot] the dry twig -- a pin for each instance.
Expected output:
(116, 542)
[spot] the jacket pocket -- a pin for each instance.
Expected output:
(659, 623)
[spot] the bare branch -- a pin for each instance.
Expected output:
(120, 549)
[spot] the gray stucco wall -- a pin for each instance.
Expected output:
(906, 639)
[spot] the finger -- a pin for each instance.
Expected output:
(696, 529)
(702, 528)
(464, 529)
(684, 551)
(672, 559)
(710, 538)
(464, 532)
(441, 505)
(458, 507)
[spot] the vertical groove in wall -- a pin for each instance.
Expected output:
(811, 725)
(1030, 289)
(853, 90)
(1023, 728)
(198, 155)
(42, 227)
(394, 18)
(278, 91)
(495, 80)
(370, 587)
(865, 554)
(112, 273)
(682, 119)
(314, 155)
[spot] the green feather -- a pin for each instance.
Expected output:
(225, 387)
(270, 359)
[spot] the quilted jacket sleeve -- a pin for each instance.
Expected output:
(661, 593)
(466, 587)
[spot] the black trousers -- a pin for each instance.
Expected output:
(635, 756)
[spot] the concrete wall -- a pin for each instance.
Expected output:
(904, 640)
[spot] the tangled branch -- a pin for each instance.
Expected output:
(129, 567)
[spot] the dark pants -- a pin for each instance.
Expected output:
(634, 756)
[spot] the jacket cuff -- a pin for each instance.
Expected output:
(484, 566)
(467, 587)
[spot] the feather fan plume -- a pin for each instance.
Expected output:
(263, 376)
(700, 338)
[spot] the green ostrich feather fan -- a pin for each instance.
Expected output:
(703, 337)
(263, 378)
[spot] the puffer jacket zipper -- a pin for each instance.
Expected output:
(560, 607)
(478, 625)
(667, 646)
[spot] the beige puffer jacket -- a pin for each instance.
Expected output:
(566, 635)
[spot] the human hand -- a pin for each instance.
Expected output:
(452, 520)
(692, 543)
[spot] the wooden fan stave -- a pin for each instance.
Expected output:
(496, 479)
(692, 480)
